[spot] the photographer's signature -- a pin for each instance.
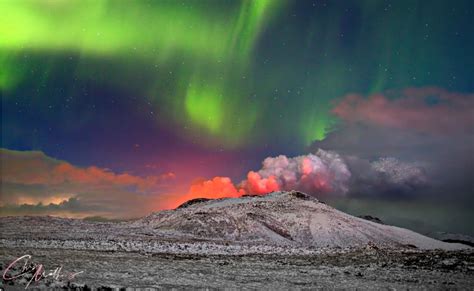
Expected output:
(37, 271)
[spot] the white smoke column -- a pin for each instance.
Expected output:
(322, 172)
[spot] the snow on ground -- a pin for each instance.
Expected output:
(281, 222)
(279, 241)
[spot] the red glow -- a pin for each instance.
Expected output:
(306, 167)
(218, 187)
(258, 185)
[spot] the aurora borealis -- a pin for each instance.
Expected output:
(169, 94)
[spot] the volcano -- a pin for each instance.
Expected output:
(280, 218)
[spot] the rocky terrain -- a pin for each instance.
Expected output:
(282, 240)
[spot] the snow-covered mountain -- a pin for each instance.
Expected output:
(280, 218)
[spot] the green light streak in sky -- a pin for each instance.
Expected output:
(248, 24)
(217, 106)
(315, 128)
(159, 30)
(209, 35)
(204, 104)
(10, 74)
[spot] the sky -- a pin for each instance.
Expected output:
(117, 109)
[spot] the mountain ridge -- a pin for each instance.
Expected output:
(281, 218)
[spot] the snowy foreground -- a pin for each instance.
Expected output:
(282, 240)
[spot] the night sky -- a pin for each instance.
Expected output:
(120, 108)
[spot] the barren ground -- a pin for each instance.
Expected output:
(363, 269)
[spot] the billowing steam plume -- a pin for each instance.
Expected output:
(322, 173)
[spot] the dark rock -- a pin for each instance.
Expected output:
(192, 202)
(251, 195)
(299, 195)
(371, 218)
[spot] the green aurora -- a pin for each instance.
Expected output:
(207, 69)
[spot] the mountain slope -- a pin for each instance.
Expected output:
(281, 218)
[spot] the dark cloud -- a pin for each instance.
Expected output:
(429, 127)
(385, 177)
(425, 138)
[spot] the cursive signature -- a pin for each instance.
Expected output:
(37, 270)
